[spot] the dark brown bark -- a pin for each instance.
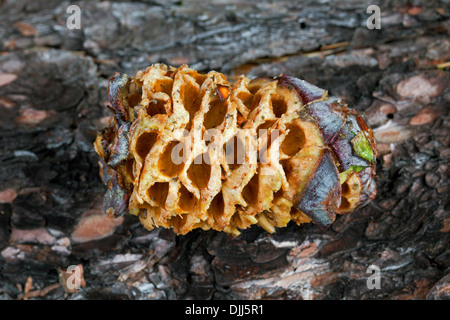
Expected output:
(53, 91)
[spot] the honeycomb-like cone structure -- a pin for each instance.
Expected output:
(186, 150)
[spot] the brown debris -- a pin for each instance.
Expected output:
(7, 196)
(29, 293)
(94, 227)
(421, 87)
(427, 115)
(4, 102)
(40, 235)
(446, 227)
(393, 134)
(30, 116)
(26, 29)
(419, 290)
(7, 78)
(440, 290)
(223, 92)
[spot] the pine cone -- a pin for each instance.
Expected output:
(186, 150)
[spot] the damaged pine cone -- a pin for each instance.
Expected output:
(186, 150)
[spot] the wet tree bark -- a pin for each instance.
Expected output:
(52, 101)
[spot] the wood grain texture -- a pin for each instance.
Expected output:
(54, 87)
